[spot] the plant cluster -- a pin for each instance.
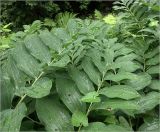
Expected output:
(85, 75)
(25, 12)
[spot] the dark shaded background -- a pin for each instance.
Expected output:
(25, 12)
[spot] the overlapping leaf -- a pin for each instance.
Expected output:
(120, 91)
(81, 79)
(69, 94)
(11, 118)
(53, 115)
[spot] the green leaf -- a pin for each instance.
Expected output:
(153, 61)
(127, 66)
(141, 81)
(62, 34)
(79, 118)
(154, 70)
(91, 71)
(123, 122)
(94, 127)
(11, 118)
(108, 56)
(120, 91)
(6, 87)
(39, 89)
(111, 119)
(62, 62)
(99, 126)
(25, 61)
(96, 58)
(69, 94)
(123, 51)
(128, 57)
(52, 114)
(152, 53)
(152, 126)
(72, 26)
(148, 102)
(17, 77)
(51, 40)
(81, 79)
(91, 97)
(37, 48)
(115, 104)
(122, 75)
(155, 84)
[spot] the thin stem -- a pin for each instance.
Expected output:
(130, 123)
(33, 120)
(23, 97)
(90, 106)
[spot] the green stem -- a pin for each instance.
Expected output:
(130, 123)
(33, 120)
(90, 106)
(24, 96)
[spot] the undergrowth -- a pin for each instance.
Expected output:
(84, 75)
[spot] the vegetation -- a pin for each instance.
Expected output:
(72, 74)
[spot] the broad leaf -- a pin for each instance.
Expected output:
(17, 76)
(69, 94)
(96, 58)
(91, 71)
(141, 81)
(37, 48)
(51, 40)
(111, 119)
(127, 66)
(122, 75)
(62, 62)
(11, 118)
(148, 102)
(91, 97)
(81, 79)
(123, 122)
(120, 91)
(53, 115)
(25, 61)
(152, 53)
(79, 118)
(154, 70)
(128, 57)
(115, 104)
(153, 61)
(62, 34)
(39, 89)
(152, 126)
(7, 89)
(99, 126)
(155, 84)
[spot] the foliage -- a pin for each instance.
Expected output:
(83, 76)
(25, 12)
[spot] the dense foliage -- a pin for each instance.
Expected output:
(26, 11)
(84, 75)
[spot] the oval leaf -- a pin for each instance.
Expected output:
(79, 118)
(141, 81)
(11, 118)
(53, 115)
(40, 89)
(120, 91)
(81, 79)
(69, 94)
